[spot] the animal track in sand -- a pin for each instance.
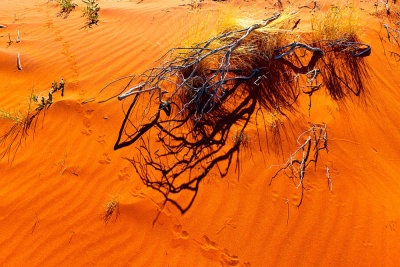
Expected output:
(64, 169)
(179, 232)
(66, 51)
(105, 159)
(86, 132)
(367, 244)
(391, 225)
(211, 251)
(123, 174)
(101, 139)
(180, 236)
(87, 122)
(228, 222)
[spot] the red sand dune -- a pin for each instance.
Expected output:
(53, 193)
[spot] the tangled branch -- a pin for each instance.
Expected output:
(181, 113)
(316, 140)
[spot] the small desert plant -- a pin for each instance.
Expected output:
(274, 118)
(66, 6)
(339, 23)
(91, 11)
(21, 122)
(111, 206)
(240, 138)
(45, 102)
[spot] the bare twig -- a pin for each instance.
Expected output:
(9, 40)
(308, 152)
(296, 45)
(329, 179)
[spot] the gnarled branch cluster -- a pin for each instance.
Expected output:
(182, 112)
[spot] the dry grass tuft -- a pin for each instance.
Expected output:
(15, 117)
(338, 23)
(20, 122)
(205, 26)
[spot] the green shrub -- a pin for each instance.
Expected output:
(66, 6)
(91, 11)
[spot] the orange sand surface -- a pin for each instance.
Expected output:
(54, 192)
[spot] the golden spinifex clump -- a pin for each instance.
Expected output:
(258, 45)
(338, 23)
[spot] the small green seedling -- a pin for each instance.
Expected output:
(66, 6)
(91, 11)
(43, 102)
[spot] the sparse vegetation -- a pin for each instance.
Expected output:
(91, 12)
(21, 122)
(112, 208)
(240, 138)
(45, 102)
(338, 23)
(387, 5)
(15, 117)
(391, 26)
(66, 6)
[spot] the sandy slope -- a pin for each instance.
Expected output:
(53, 194)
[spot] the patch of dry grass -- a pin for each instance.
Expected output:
(338, 23)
